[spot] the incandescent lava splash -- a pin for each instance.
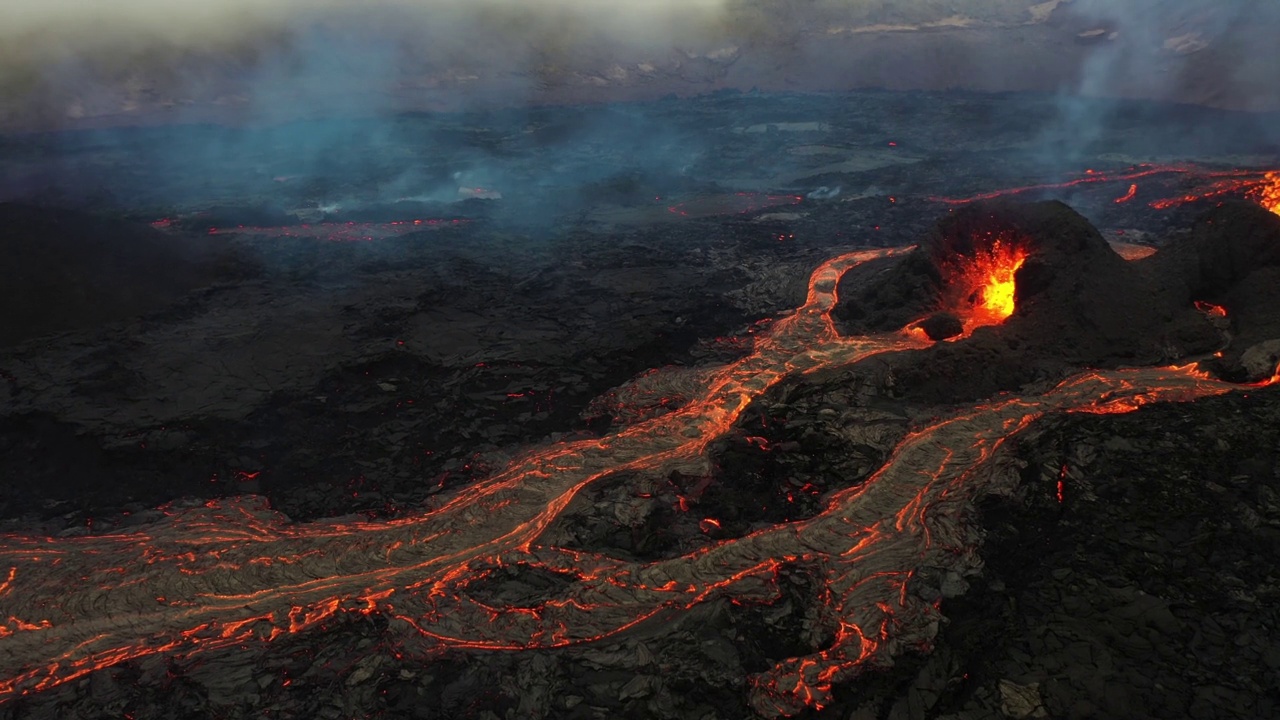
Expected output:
(1267, 193)
(983, 284)
(232, 574)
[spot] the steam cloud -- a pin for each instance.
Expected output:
(272, 62)
(205, 23)
(76, 58)
(1207, 52)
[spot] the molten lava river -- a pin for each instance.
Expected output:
(1260, 186)
(233, 573)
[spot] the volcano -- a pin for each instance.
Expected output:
(729, 406)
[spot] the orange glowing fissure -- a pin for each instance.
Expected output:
(233, 572)
(1260, 186)
(1210, 309)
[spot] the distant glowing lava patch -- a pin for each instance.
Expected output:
(1200, 184)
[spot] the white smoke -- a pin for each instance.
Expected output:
(1203, 52)
(54, 26)
(87, 58)
(71, 58)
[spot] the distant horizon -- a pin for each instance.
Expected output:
(240, 61)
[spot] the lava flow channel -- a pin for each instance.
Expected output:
(1262, 187)
(233, 572)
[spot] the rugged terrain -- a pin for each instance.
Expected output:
(287, 353)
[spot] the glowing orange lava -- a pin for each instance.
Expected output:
(1131, 251)
(1261, 186)
(233, 573)
(1268, 192)
(1210, 309)
(1090, 177)
(983, 285)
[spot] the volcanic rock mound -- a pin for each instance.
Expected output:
(1230, 264)
(1077, 303)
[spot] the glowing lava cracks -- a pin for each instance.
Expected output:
(233, 573)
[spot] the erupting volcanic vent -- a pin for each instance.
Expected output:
(983, 285)
(233, 573)
(1268, 193)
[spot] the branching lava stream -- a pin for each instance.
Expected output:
(233, 572)
(1260, 186)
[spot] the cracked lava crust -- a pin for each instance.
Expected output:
(992, 280)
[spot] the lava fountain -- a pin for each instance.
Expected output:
(982, 288)
(1267, 193)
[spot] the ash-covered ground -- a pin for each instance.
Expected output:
(351, 325)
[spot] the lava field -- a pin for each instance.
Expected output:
(862, 405)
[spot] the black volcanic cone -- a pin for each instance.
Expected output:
(1231, 258)
(1226, 245)
(1078, 303)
